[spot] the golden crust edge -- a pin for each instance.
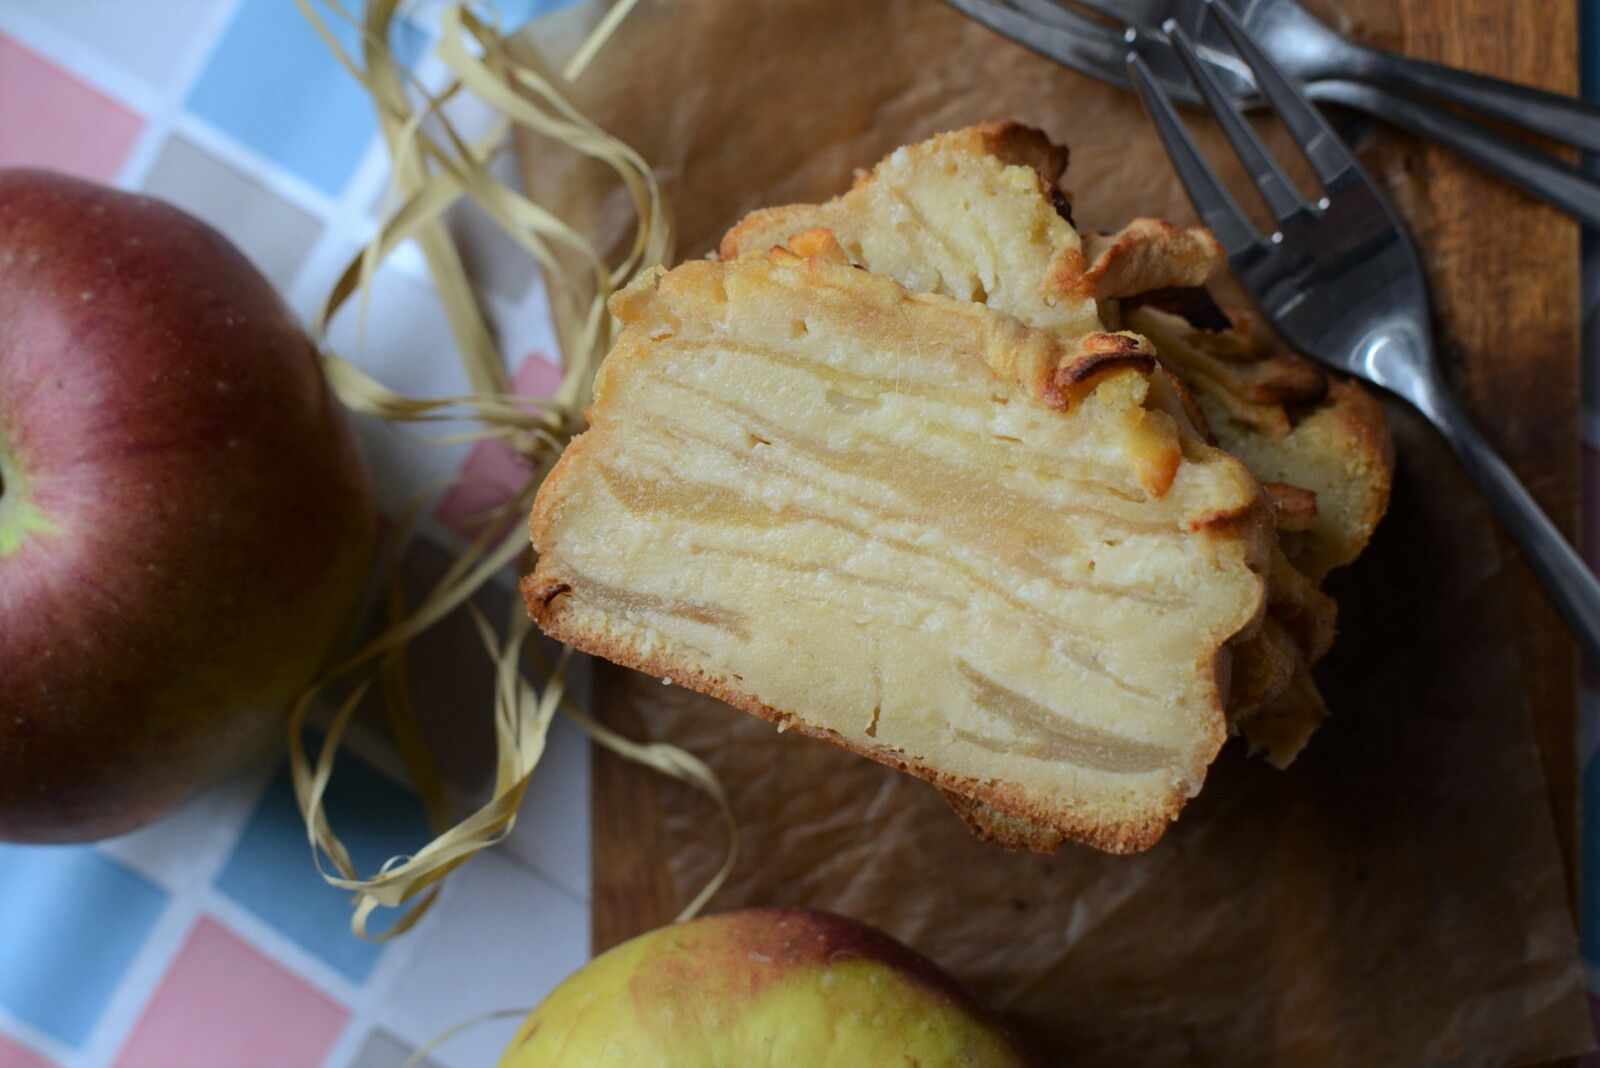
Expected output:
(1361, 417)
(546, 606)
(1014, 144)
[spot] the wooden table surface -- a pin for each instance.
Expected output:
(1507, 313)
(1508, 318)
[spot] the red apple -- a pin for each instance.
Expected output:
(762, 987)
(185, 520)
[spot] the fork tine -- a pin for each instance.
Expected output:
(1054, 15)
(1047, 11)
(1069, 38)
(1127, 12)
(1321, 146)
(1274, 186)
(1211, 199)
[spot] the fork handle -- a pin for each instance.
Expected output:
(1549, 178)
(1564, 118)
(1566, 578)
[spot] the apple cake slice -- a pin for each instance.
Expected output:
(978, 213)
(999, 558)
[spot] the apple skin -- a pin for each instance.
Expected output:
(762, 987)
(186, 522)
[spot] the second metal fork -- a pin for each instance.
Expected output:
(1308, 50)
(1096, 49)
(1342, 282)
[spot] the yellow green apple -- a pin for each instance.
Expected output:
(762, 988)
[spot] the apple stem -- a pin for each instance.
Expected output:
(19, 517)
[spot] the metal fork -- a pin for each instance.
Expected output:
(1097, 49)
(1342, 282)
(1307, 50)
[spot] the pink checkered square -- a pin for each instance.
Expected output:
(492, 474)
(14, 1055)
(51, 118)
(225, 1004)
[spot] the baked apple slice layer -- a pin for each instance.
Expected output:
(987, 555)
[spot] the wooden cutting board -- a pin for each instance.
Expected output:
(1505, 277)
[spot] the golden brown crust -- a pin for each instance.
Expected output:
(1146, 254)
(1370, 457)
(1293, 508)
(1016, 143)
(760, 221)
(1011, 143)
(1076, 377)
(1279, 412)
(818, 241)
(989, 824)
(1111, 837)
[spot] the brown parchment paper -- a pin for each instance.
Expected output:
(1396, 897)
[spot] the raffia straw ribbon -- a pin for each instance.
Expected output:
(431, 172)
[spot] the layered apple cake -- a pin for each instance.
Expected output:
(979, 214)
(1000, 557)
(890, 471)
